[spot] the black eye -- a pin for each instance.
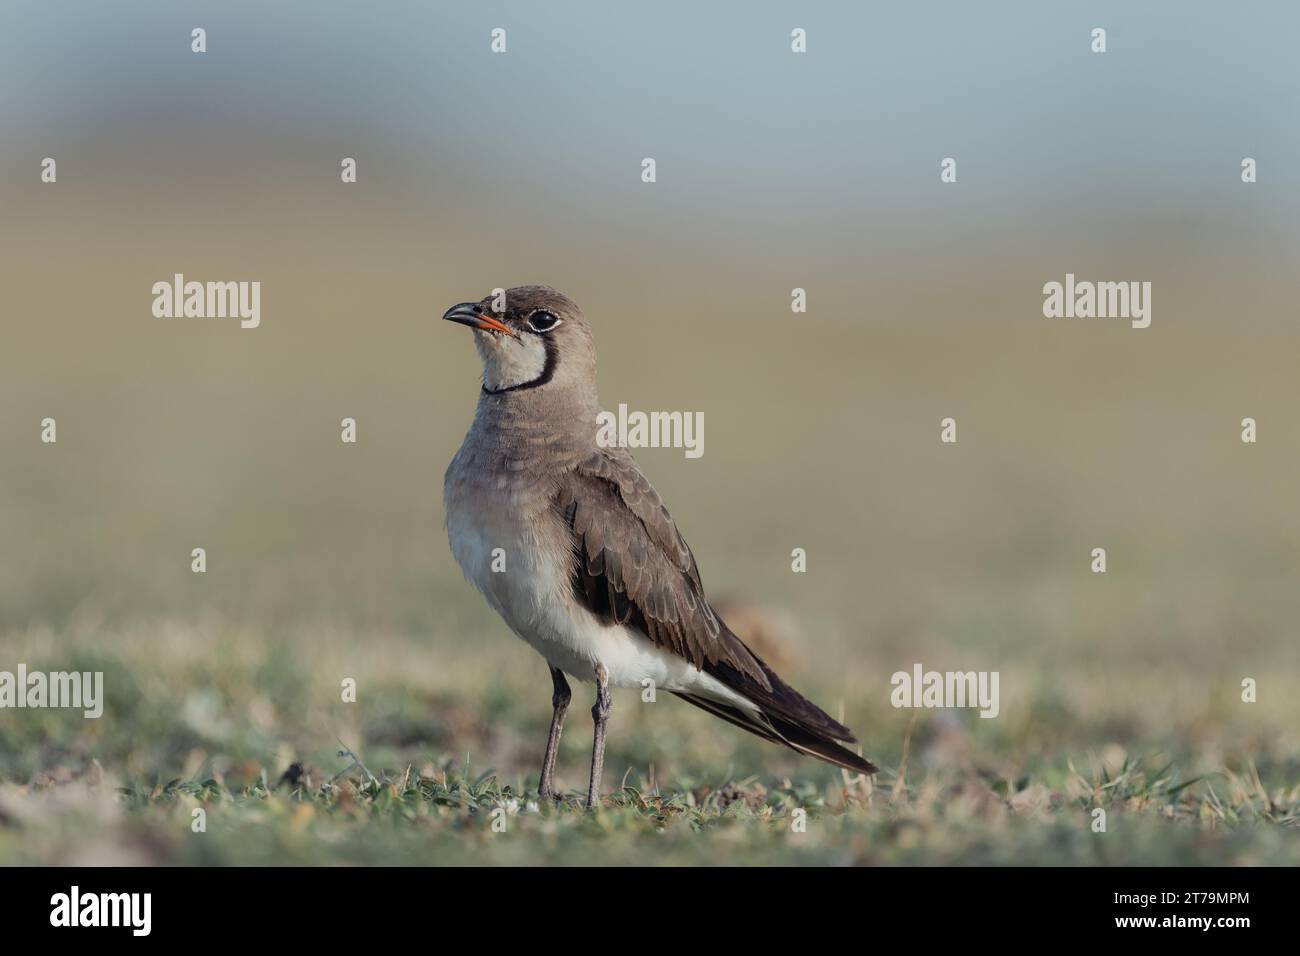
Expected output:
(542, 321)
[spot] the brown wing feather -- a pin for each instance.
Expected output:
(632, 566)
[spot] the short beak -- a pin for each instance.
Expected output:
(469, 313)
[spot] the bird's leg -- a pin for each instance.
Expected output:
(559, 705)
(600, 715)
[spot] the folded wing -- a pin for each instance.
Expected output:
(632, 567)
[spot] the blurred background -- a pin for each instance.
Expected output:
(775, 171)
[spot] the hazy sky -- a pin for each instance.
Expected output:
(836, 150)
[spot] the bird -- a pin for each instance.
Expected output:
(570, 544)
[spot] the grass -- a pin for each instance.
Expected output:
(437, 765)
(447, 815)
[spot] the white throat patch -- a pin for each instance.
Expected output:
(508, 362)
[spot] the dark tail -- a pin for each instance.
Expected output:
(785, 717)
(823, 748)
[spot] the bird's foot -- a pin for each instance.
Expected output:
(546, 792)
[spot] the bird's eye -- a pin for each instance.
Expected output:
(542, 321)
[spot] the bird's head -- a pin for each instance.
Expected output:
(530, 337)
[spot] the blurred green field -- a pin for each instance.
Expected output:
(326, 561)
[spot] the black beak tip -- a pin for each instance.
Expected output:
(466, 313)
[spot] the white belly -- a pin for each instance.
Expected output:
(533, 594)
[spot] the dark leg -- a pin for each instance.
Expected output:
(559, 704)
(600, 715)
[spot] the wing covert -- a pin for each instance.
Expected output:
(632, 566)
